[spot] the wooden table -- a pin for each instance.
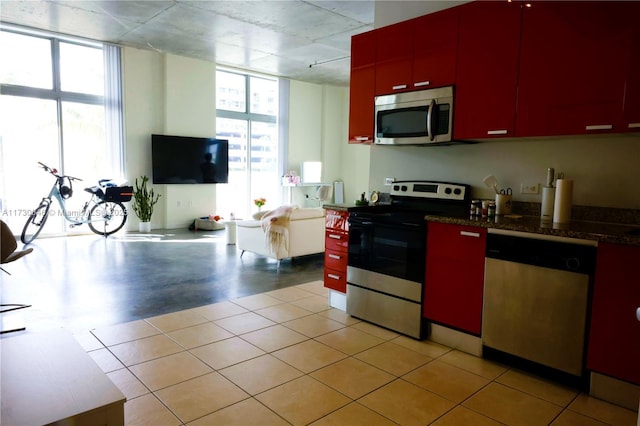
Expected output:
(49, 378)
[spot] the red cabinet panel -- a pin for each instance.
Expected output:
(454, 276)
(335, 280)
(336, 220)
(487, 70)
(394, 56)
(361, 88)
(336, 260)
(336, 249)
(417, 54)
(574, 61)
(435, 49)
(632, 87)
(336, 241)
(614, 339)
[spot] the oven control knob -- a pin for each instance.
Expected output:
(447, 190)
(457, 191)
(396, 187)
(404, 188)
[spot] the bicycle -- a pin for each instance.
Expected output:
(104, 210)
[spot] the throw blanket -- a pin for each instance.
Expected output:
(275, 225)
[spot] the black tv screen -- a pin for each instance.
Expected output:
(189, 160)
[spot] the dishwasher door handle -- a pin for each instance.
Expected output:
(470, 234)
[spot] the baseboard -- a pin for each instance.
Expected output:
(615, 391)
(455, 339)
(338, 300)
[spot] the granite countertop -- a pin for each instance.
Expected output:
(603, 229)
(586, 230)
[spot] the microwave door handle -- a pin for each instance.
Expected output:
(430, 119)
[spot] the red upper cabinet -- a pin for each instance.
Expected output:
(614, 345)
(632, 87)
(574, 62)
(435, 49)
(394, 58)
(487, 70)
(361, 87)
(419, 53)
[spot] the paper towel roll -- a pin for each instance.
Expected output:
(548, 199)
(562, 205)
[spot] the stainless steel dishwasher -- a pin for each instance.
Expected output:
(536, 295)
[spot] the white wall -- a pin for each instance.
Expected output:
(604, 168)
(176, 95)
(167, 94)
(190, 110)
(318, 131)
(143, 99)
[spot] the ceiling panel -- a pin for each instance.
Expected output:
(275, 37)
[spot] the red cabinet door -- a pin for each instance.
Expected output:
(336, 249)
(614, 338)
(435, 49)
(394, 56)
(454, 277)
(487, 70)
(632, 87)
(573, 65)
(361, 88)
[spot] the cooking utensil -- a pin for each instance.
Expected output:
(491, 182)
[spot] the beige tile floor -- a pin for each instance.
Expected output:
(284, 357)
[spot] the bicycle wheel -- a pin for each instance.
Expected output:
(107, 217)
(35, 223)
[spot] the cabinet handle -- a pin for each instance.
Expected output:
(599, 127)
(638, 314)
(335, 236)
(497, 132)
(399, 87)
(335, 256)
(362, 138)
(470, 234)
(421, 83)
(334, 276)
(634, 125)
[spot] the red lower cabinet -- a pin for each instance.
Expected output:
(614, 338)
(336, 250)
(454, 276)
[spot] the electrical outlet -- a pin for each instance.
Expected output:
(389, 181)
(530, 188)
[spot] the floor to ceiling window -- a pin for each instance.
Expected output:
(60, 104)
(247, 115)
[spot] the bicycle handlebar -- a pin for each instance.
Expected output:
(54, 172)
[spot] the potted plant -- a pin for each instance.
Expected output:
(143, 202)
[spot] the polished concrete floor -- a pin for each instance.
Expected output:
(88, 281)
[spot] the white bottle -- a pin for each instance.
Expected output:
(548, 197)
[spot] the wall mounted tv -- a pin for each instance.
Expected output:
(189, 160)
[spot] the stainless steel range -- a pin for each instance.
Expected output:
(387, 253)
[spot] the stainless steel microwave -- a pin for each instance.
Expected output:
(415, 118)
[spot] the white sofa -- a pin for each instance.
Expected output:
(305, 235)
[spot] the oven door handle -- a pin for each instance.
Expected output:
(356, 223)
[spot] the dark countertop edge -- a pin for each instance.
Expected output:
(602, 232)
(605, 232)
